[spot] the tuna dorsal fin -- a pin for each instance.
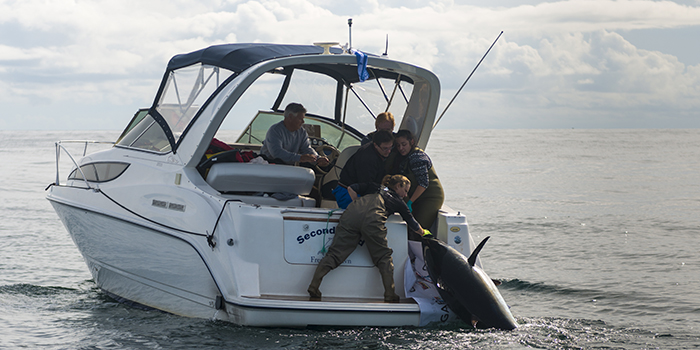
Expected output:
(475, 253)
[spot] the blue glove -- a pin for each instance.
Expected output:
(410, 203)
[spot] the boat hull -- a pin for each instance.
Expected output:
(141, 264)
(169, 271)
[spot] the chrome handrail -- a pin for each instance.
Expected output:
(60, 147)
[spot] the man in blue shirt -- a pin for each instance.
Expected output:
(288, 142)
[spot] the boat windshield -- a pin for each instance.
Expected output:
(186, 91)
(143, 132)
(316, 127)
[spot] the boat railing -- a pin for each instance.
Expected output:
(60, 146)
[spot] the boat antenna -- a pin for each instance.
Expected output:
(386, 48)
(350, 33)
(465, 82)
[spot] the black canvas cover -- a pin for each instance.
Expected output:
(238, 57)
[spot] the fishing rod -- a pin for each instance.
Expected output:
(465, 82)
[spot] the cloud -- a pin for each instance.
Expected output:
(565, 57)
(591, 15)
(585, 79)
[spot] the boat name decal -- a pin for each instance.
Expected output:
(316, 260)
(305, 237)
(306, 242)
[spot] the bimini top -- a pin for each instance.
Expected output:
(239, 57)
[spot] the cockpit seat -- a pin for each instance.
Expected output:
(330, 180)
(268, 178)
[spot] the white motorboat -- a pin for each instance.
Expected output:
(162, 225)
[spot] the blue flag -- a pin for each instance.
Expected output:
(361, 65)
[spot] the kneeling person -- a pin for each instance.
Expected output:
(365, 219)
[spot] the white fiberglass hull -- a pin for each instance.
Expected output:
(172, 272)
(140, 264)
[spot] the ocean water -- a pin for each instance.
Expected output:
(595, 234)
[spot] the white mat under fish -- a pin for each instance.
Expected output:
(419, 286)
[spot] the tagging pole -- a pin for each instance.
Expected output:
(465, 82)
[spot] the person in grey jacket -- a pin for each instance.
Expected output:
(287, 142)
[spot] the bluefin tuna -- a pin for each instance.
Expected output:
(465, 287)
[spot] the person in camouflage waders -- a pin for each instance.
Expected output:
(365, 219)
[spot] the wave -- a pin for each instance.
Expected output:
(631, 296)
(627, 297)
(34, 290)
(540, 287)
(86, 292)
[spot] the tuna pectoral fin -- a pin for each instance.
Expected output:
(475, 253)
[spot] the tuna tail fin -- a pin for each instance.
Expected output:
(475, 253)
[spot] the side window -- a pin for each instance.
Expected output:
(146, 134)
(99, 172)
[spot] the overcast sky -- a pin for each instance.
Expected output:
(74, 65)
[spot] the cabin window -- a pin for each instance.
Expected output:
(99, 172)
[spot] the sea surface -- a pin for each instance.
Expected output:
(595, 234)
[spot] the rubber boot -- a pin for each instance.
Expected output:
(314, 292)
(386, 270)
